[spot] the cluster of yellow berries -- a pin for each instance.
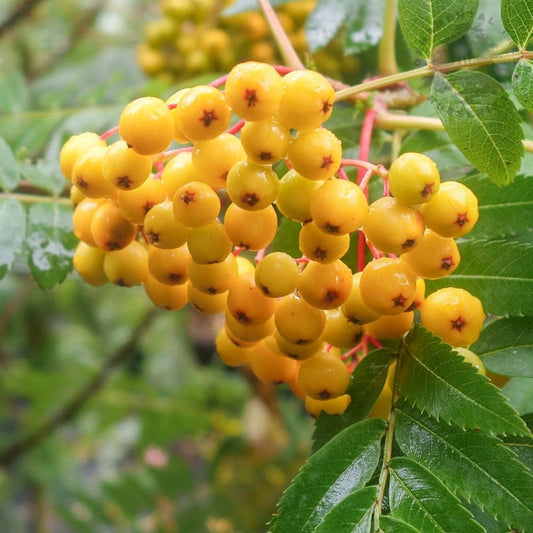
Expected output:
(193, 37)
(175, 220)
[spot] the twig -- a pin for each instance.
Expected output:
(78, 401)
(20, 12)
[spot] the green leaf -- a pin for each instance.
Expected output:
(523, 447)
(499, 273)
(502, 210)
(487, 30)
(44, 175)
(482, 121)
(420, 499)
(506, 346)
(394, 525)
(364, 27)
(437, 380)
(522, 81)
(473, 464)
(325, 21)
(51, 242)
(426, 24)
(342, 466)
(286, 239)
(9, 171)
(367, 381)
(517, 17)
(14, 94)
(353, 515)
(13, 224)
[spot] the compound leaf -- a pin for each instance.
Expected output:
(522, 82)
(368, 379)
(473, 464)
(390, 524)
(44, 175)
(420, 499)
(364, 27)
(353, 515)
(506, 346)
(517, 17)
(13, 230)
(340, 467)
(437, 380)
(426, 24)
(502, 210)
(51, 242)
(482, 121)
(325, 21)
(9, 171)
(499, 273)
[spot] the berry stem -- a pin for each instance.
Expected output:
(35, 198)
(286, 49)
(236, 127)
(109, 133)
(387, 47)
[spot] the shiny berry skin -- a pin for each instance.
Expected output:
(413, 179)
(340, 331)
(325, 286)
(387, 285)
(333, 406)
(82, 217)
(453, 314)
(270, 367)
(202, 113)
(213, 278)
(110, 230)
(147, 125)
(322, 247)
(298, 351)
(73, 147)
(251, 230)
(252, 186)
(307, 100)
(247, 303)
(230, 353)
(247, 333)
(196, 204)
(161, 229)
(169, 297)
(265, 141)
(169, 266)
(276, 274)
(179, 171)
(323, 376)
(135, 204)
(214, 158)
(355, 308)
(124, 168)
(434, 257)
(88, 262)
(208, 304)
(297, 321)
(390, 326)
(173, 101)
(127, 267)
(209, 243)
(392, 227)
(339, 206)
(315, 154)
(88, 173)
(294, 196)
(470, 357)
(453, 211)
(253, 90)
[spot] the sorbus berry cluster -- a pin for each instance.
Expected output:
(176, 222)
(195, 36)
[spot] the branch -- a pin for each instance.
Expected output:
(387, 46)
(78, 401)
(21, 11)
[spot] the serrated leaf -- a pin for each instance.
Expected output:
(438, 381)
(367, 381)
(9, 171)
(364, 27)
(522, 81)
(389, 524)
(517, 17)
(353, 515)
(324, 22)
(51, 242)
(499, 273)
(475, 465)
(44, 175)
(503, 211)
(523, 447)
(417, 497)
(13, 230)
(482, 121)
(341, 467)
(487, 30)
(506, 346)
(426, 24)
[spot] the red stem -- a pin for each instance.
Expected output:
(108, 133)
